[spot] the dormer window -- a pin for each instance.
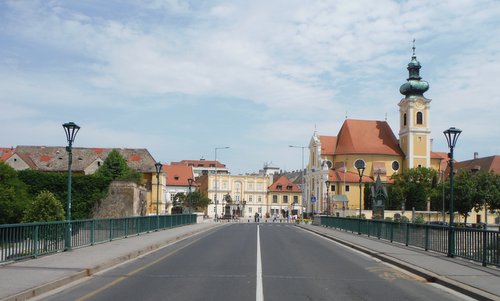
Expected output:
(289, 187)
(279, 187)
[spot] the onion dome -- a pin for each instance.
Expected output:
(414, 86)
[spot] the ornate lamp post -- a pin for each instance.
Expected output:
(360, 166)
(451, 135)
(215, 196)
(158, 167)
(190, 183)
(71, 130)
(327, 183)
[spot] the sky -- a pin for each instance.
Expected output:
(181, 78)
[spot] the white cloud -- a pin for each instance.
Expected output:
(301, 63)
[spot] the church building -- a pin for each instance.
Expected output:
(332, 179)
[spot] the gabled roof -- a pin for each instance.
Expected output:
(285, 184)
(439, 155)
(55, 158)
(202, 163)
(178, 174)
(328, 144)
(488, 164)
(5, 153)
(367, 137)
(443, 157)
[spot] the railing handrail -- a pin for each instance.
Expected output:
(475, 244)
(25, 240)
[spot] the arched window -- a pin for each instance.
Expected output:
(404, 119)
(420, 118)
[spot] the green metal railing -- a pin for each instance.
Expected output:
(18, 241)
(473, 244)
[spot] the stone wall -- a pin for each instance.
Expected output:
(124, 199)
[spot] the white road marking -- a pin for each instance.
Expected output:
(259, 292)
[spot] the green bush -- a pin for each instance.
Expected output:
(44, 208)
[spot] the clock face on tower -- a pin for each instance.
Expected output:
(419, 104)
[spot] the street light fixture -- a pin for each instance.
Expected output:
(327, 182)
(190, 183)
(215, 162)
(158, 167)
(71, 129)
(360, 166)
(303, 179)
(451, 135)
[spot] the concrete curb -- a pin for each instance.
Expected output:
(45, 288)
(428, 275)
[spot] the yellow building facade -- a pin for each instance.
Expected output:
(332, 179)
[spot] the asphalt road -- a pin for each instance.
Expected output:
(255, 262)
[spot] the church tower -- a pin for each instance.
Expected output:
(414, 109)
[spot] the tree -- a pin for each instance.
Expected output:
(464, 193)
(199, 201)
(487, 191)
(44, 208)
(414, 186)
(86, 190)
(13, 195)
(179, 199)
(367, 197)
(115, 167)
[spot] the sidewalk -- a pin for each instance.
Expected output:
(468, 278)
(30, 278)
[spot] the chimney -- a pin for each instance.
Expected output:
(476, 155)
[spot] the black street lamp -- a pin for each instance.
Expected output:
(327, 183)
(360, 166)
(190, 182)
(71, 130)
(451, 135)
(158, 167)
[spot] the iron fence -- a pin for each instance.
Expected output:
(474, 244)
(19, 241)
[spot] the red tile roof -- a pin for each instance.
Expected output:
(488, 164)
(367, 137)
(54, 158)
(328, 144)
(5, 153)
(178, 174)
(202, 163)
(350, 177)
(286, 185)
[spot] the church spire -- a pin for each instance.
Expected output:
(414, 85)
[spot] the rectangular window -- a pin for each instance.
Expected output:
(347, 188)
(333, 187)
(295, 199)
(260, 209)
(275, 199)
(249, 198)
(285, 199)
(249, 209)
(260, 200)
(250, 186)
(259, 186)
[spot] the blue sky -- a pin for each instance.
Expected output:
(183, 77)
